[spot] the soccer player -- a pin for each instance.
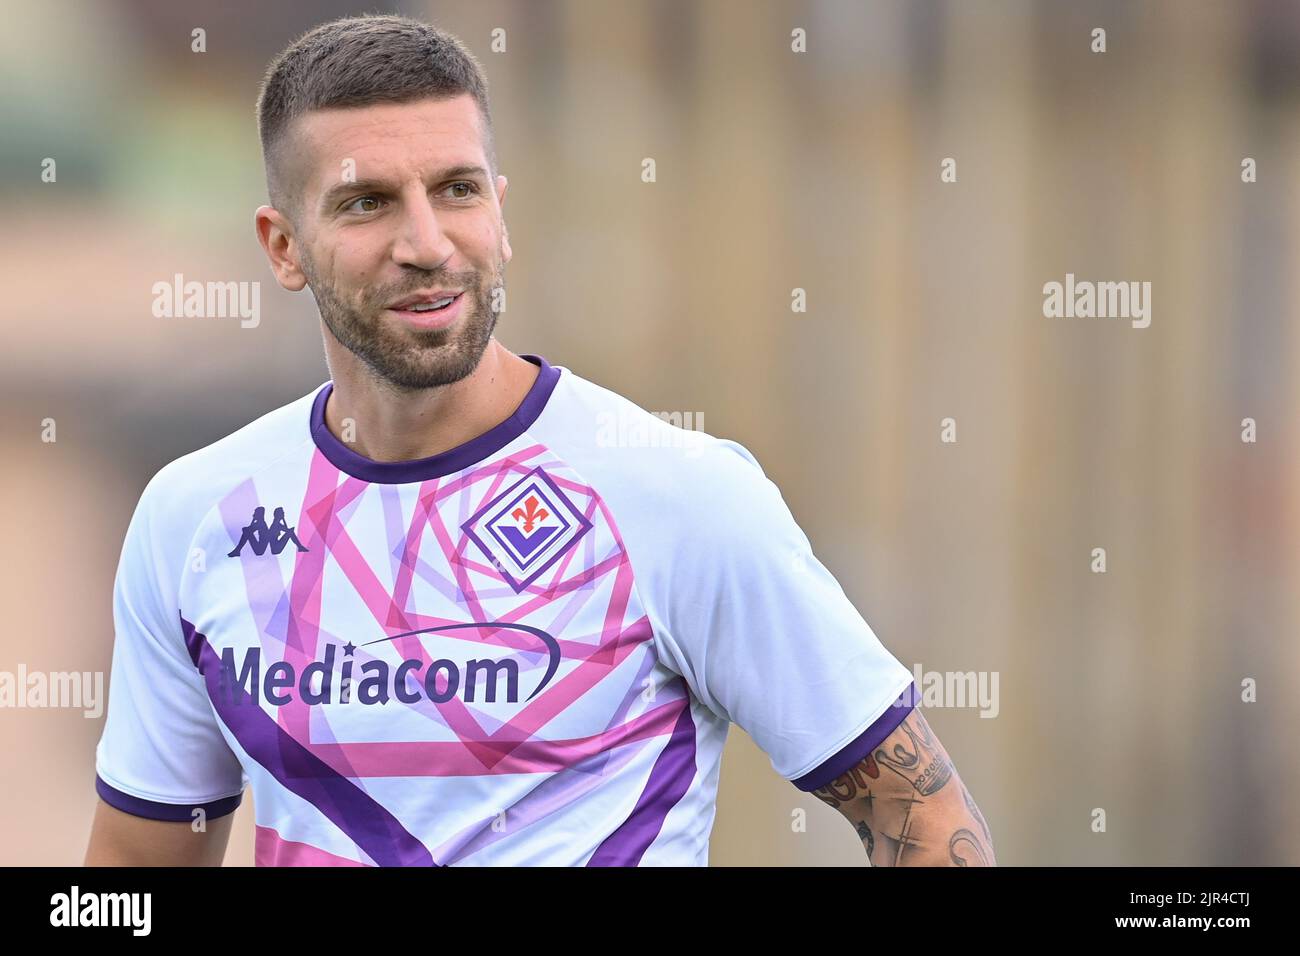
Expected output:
(503, 616)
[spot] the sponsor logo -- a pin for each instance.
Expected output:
(338, 678)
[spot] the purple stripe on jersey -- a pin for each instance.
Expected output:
(856, 750)
(366, 822)
(177, 812)
(670, 778)
(444, 463)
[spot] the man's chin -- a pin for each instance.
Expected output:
(430, 363)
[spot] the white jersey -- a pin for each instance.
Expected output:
(526, 650)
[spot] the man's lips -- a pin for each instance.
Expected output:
(433, 318)
(424, 298)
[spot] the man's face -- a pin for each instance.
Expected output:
(395, 202)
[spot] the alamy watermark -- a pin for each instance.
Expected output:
(208, 300)
(623, 430)
(56, 689)
(1102, 300)
(957, 689)
(75, 908)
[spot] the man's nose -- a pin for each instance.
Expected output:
(421, 241)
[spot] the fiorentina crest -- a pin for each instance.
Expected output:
(526, 528)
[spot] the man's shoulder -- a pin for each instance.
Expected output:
(193, 482)
(663, 463)
(698, 517)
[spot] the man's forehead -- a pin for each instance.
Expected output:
(387, 139)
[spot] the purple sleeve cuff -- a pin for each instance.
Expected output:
(857, 749)
(174, 812)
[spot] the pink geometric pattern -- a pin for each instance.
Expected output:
(403, 555)
(271, 849)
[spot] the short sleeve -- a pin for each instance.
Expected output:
(765, 635)
(162, 753)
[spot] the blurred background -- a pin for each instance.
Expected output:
(776, 170)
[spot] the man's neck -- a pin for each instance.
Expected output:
(395, 426)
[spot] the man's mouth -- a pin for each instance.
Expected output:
(436, 306)
(430, 312)
(425, 303)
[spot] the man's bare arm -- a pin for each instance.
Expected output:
(123, 839)
(908, 804)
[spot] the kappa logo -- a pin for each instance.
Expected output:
(259, 536)
(526, 528)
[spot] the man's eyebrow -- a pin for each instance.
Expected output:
(339, 190)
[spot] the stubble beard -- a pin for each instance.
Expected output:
(403, 357)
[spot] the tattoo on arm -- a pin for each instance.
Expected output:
(864, 834)
(846, 788)
(882, 806)
(965, 849)
(918, 759)
(975, 812)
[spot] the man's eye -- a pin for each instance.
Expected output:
(470, 186)
(360, 199)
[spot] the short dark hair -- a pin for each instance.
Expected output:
(358, 61)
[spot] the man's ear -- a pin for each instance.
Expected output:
(275, 233)
(502, 185)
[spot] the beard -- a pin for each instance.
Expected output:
(403, 357)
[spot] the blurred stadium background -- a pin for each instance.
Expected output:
(775, 170)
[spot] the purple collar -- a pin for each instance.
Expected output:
(445, 463)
